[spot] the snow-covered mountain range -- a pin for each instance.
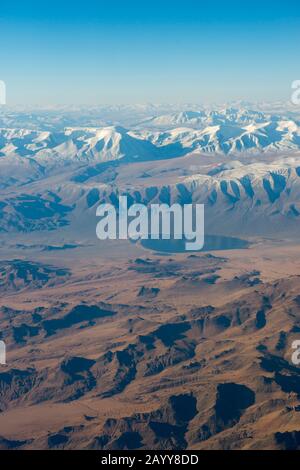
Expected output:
(244, 165)
(87, 144)
(251, 198)
(226, 131)
(269, 136)
(205, 118)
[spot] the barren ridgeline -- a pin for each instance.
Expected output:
(133, 343)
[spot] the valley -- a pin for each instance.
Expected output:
(121, 345)
(106, 355)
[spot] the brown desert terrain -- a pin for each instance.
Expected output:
(127, 348)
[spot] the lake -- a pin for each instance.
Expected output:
(212, 243)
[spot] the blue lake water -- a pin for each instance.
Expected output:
(212, 243)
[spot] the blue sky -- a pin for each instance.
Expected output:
(98, 52)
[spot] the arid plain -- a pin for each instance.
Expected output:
(127, 348)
